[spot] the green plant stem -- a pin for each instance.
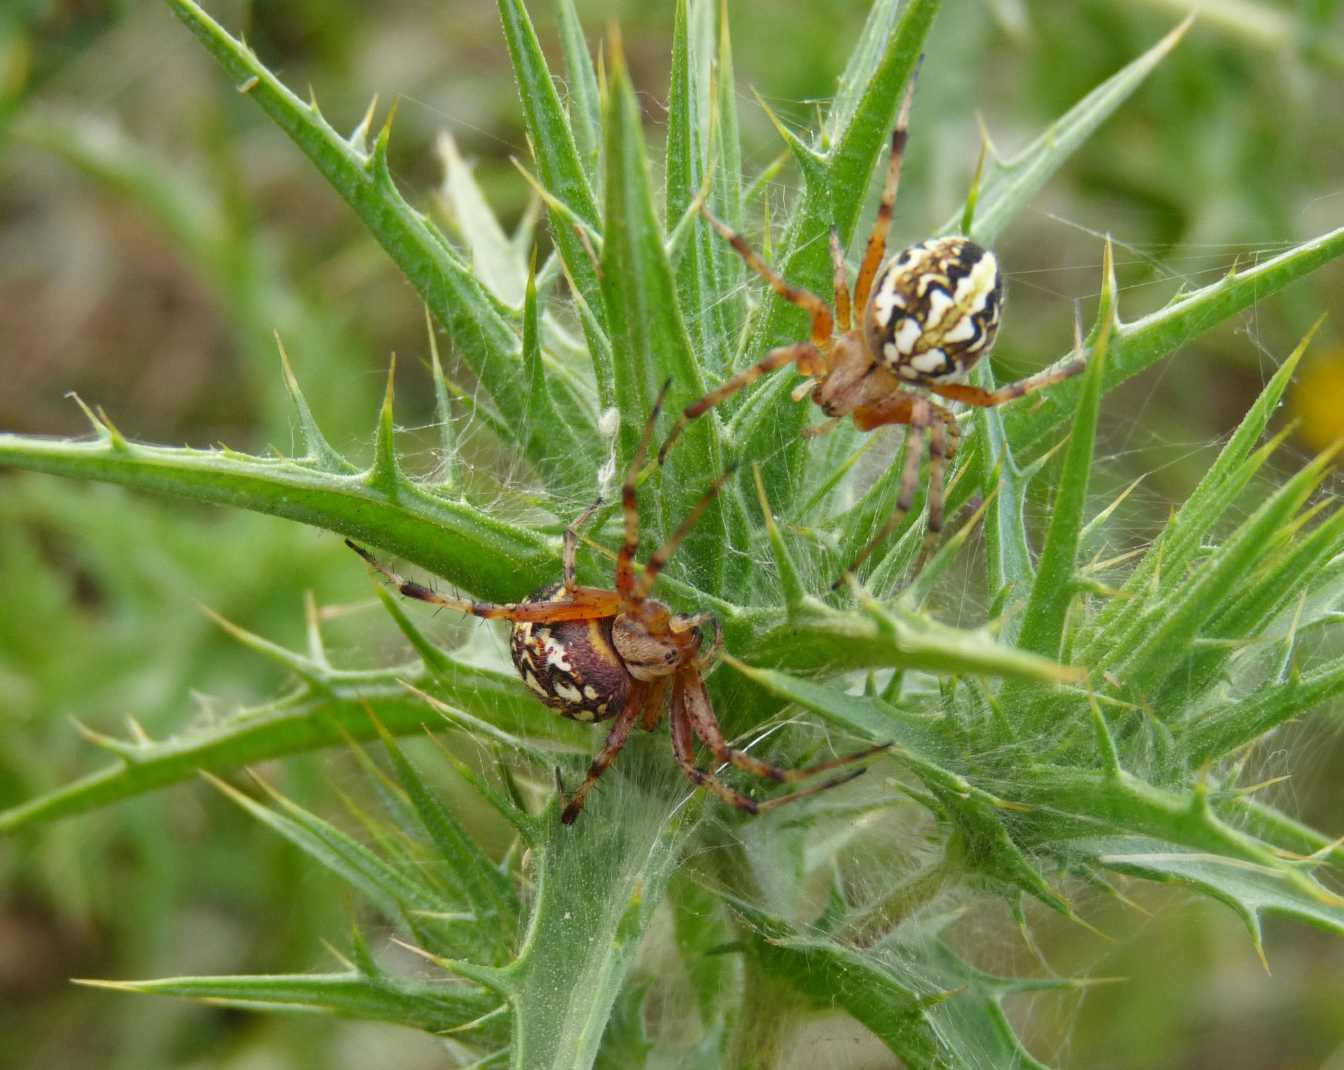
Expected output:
(768, 1015)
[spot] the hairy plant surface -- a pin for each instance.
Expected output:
(1100, 720)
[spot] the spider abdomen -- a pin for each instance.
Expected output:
(934, 309)
(571, 665)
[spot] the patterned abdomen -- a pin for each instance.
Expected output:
(571, 666)
(934, 309)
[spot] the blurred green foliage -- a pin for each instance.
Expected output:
(116, 143)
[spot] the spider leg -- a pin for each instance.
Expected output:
(824, 428)
(985, 399)
(814, 306)
(655, 704)
(683, 747)
(937, 460)
(877, 240)
(572, 545)
(807, 356)
(842, 315)
(706, 726)
(581, 603)
(616, 739)
(625, 560)
(903, 409)
(660, 557)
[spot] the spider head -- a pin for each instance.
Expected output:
(653, 641)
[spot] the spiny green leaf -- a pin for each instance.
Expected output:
(487, 891)
(483, 338)
(1252, 891)
(648, 328)
(599, 882)
(1140, 344)
(1230, 473)
(562, 172)
(302, 722)
(1043, 621)
(1268, 593)
(1192, 601)
(1233, 724)
(436, 1008)
(585, 112)
(395, 893)
(927, 1005)
(470, 548)
(493, 256)
(1011, 185)
(817, 638)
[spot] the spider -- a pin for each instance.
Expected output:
(593, 655)
(927, 316)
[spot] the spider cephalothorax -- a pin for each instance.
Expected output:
(595, 655)
(925, 318)
(583, 669)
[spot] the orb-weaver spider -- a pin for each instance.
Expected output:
(926, 317)
(593, 654)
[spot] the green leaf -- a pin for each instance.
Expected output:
(435, 1008)
(1054, 590)
(488, 892)
(447, 285)
(1192, 601)
(395, 893)
(599, 882)
(1252, 891)
(927, 1005)
(471, 549)
(817, 638)
(726, 196)
(562, 173)
(329, 713)
(1228, 726)
(1175, 548)
(1140, 344)
(585, 111)
(1009, 186)
(648, 329)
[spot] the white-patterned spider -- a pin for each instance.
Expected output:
(592, 654)
(928, 315)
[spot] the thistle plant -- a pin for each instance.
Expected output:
(1098, 724)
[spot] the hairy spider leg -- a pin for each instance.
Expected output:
(580, 603)
(688, 694)
(876, 251)
(937, 459)
(810, 361)
(616, 739)
(814, 306)
(706, 726)
(571, 556)
(625, 560)
(842, 315)
(660, 557)
(905, 409)
(988, 399)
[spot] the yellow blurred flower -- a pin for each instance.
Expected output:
(1317, 400)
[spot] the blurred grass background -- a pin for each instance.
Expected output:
(155, 230)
